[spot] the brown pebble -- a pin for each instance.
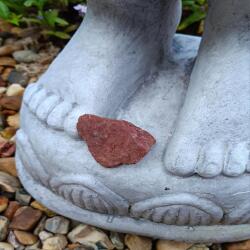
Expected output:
(3, 203)
(7, 149)
(9, 49)
(39, 206)
(243, 245)
(2, 82)
(25, 218)
(8, 133)
(8, 112)
(11, 102)
(25, 238)
(11, 209)
(8, 165)
(134, 242)
(73, 246)
(7, 61)
(5, 74)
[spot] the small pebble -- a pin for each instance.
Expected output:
(8, 165)
(19, 77)
(35, 246)
(57, 224)
(13, 241)
(44, 235)
(8, 183)
(199, 247)
(9, 49)
(172, 245)
(117, 240)
(40, 226)
(23, 197)
(25, 56)
(83, 234)
(58, 242)
(15, 90)
(25, 219)
(14, 121)
(6, 72)
(6, 246)
(3, 203)
(7, 61)
(11, 209)
(25, 238)
(135, 242)
(4, 223)
(39, 206)
(3, 90)
(11, 102)
(243, 245)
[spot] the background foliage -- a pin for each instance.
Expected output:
(58, 17)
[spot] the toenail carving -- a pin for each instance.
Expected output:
(237, 161)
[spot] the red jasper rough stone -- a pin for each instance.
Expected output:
(114, 142)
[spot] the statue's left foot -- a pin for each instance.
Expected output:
(212, 136)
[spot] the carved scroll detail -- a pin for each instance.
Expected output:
(88, 193)
(179, 209)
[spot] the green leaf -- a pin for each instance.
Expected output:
(4, 11)
(193, 18)
(37, 3)
(61, 21)
(15, 19)
(59, 34)
(29, 3)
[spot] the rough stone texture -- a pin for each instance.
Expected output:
(44, 235)
(11, 209)
(85, 234)
(58, 242)
(117, 69)
(39, 206)
(3, 203)
(57, 224)
(6, 246)
(25, 218)
(134, 242)
(172, 245)
(26, 56)
(25, 238)
(11, 102)
(8, 165)
(14, 242)
(244, 245)
(8, 183)
(112, 142)
(4, 223)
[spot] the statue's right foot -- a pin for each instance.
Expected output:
(212, 135)
(116, 50)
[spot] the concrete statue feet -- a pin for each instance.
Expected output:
(125, 63)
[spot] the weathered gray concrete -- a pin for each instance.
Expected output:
(122, 64)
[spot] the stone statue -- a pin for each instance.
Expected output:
(125, 63)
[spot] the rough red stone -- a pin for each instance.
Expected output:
(114, 142)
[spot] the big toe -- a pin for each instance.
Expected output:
(182, 161)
